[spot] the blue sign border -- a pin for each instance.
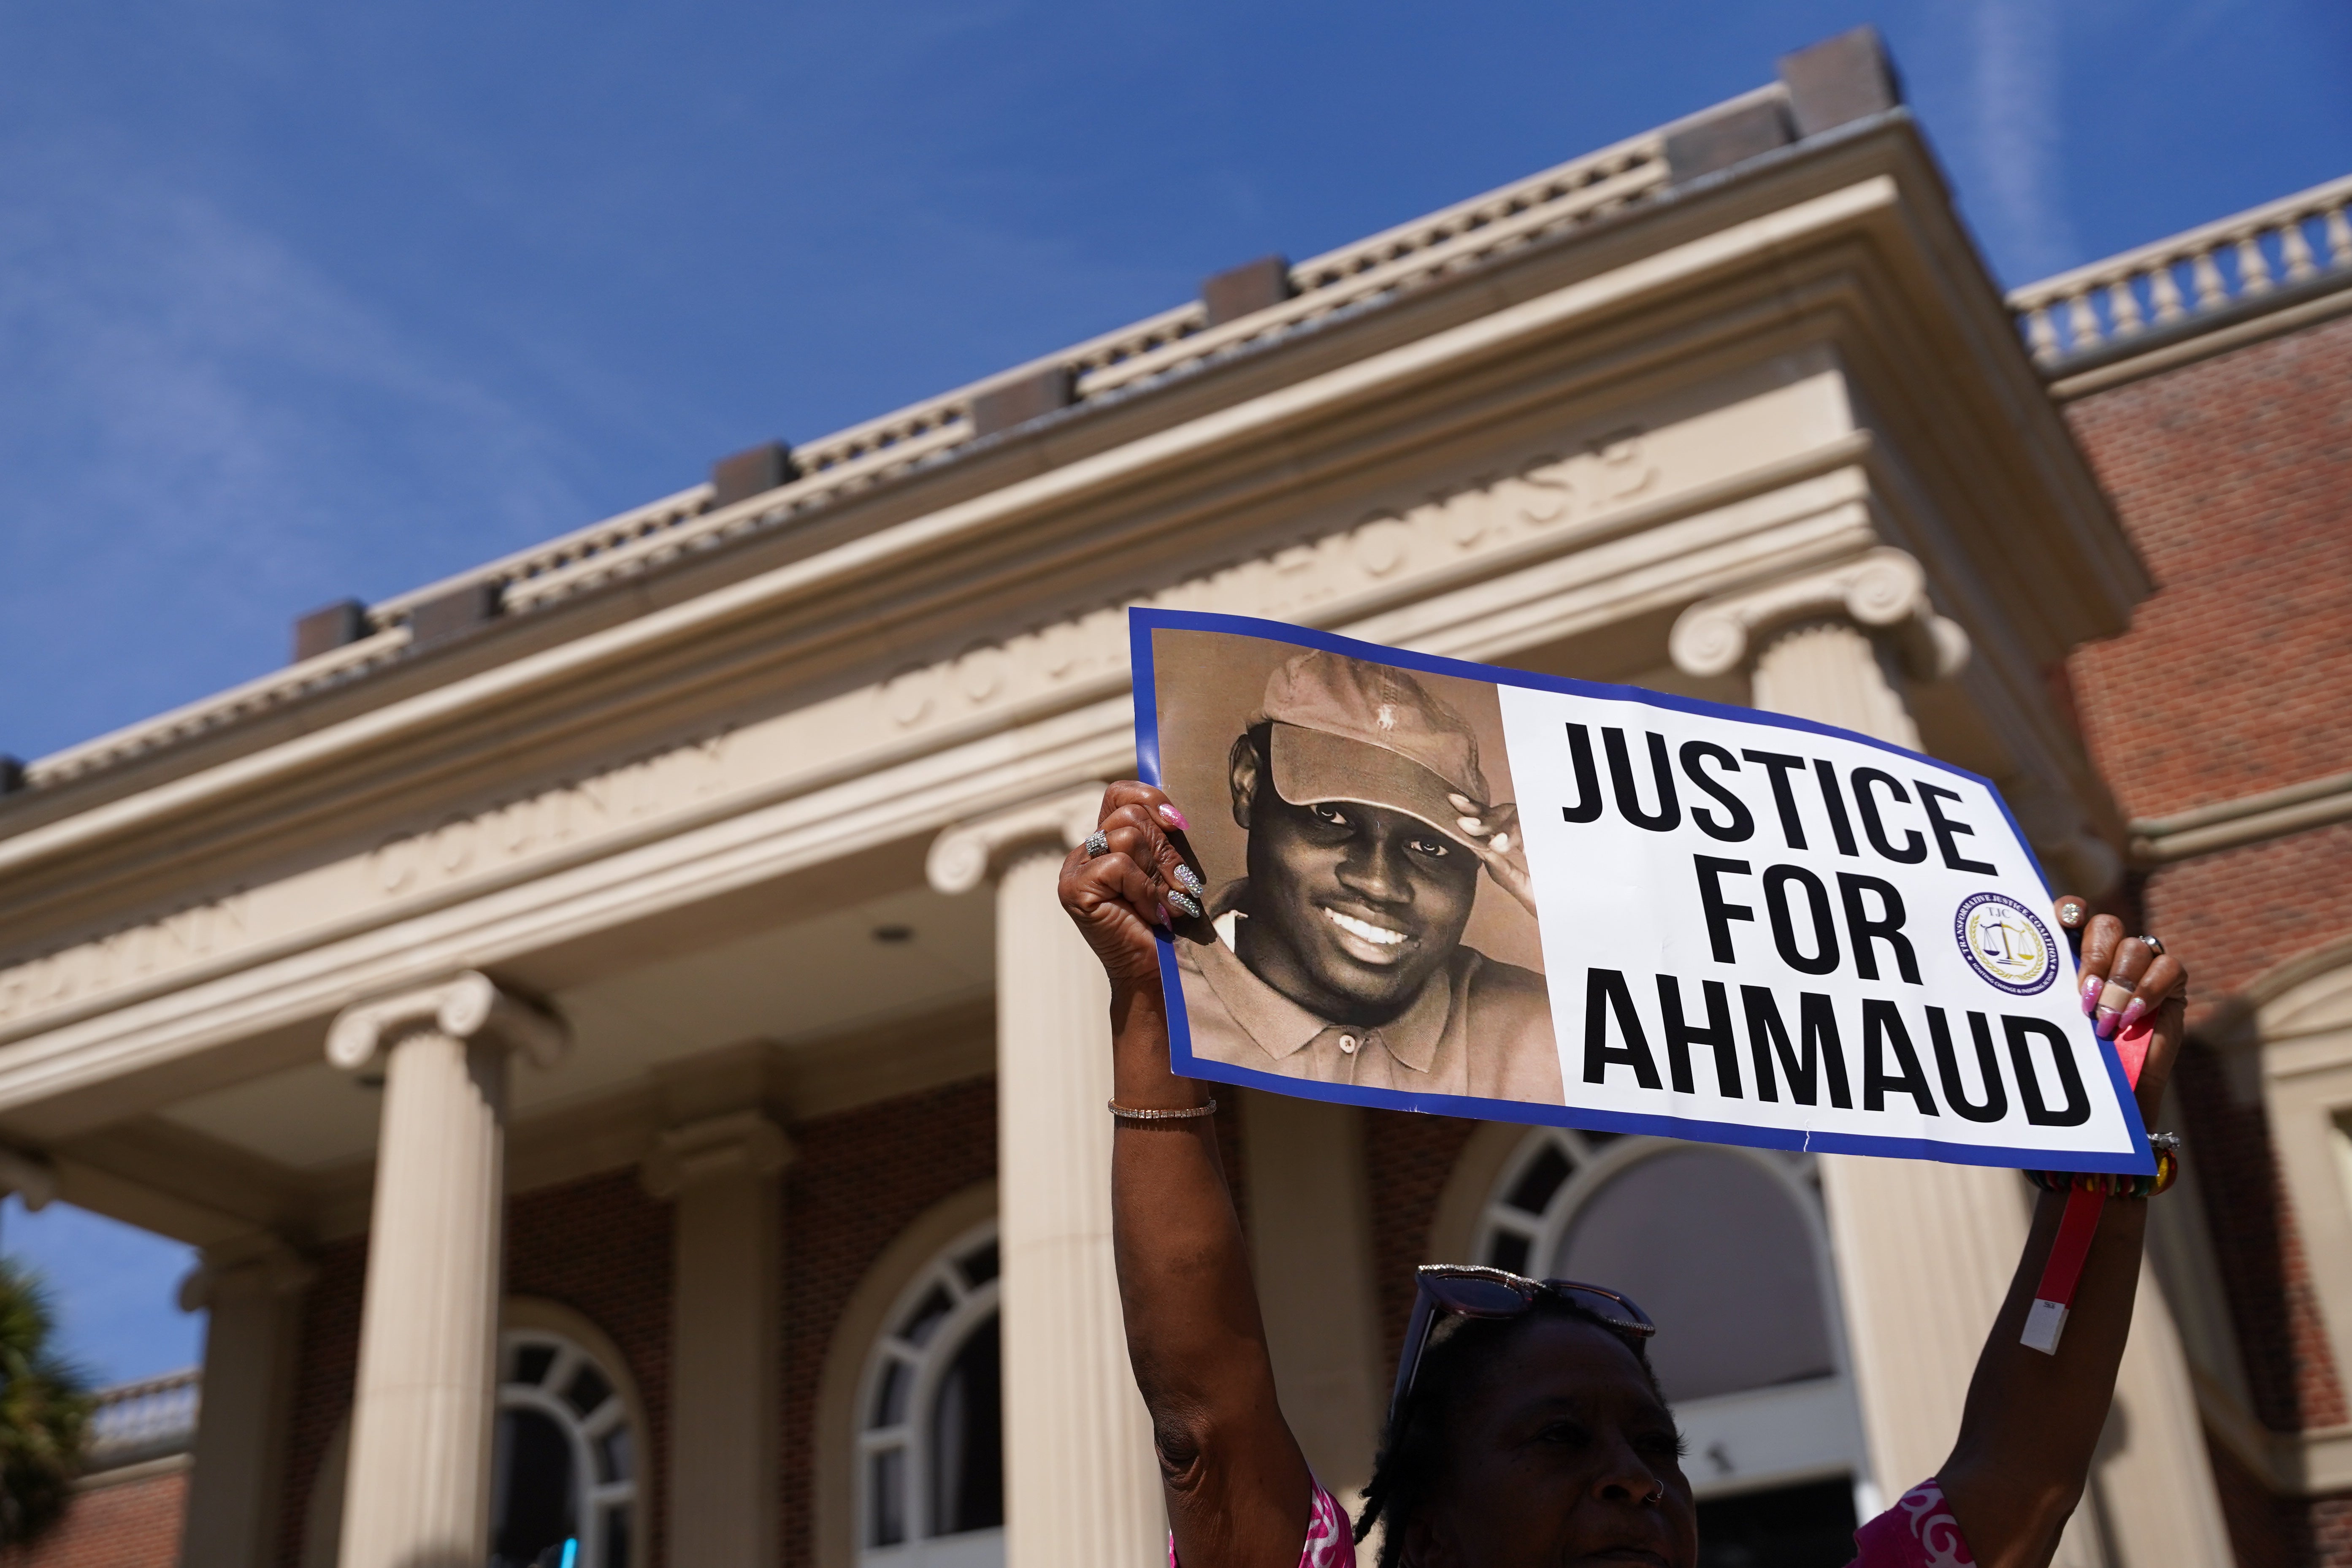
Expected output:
(1142, 622)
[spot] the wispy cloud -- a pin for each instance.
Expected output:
(2015, 92)
(114, 1288)
(197, 417)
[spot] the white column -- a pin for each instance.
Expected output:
(1311, 1249)
(418, 1495)
(1082, 1487)
(252, 1288)
(1925, 1250)
(726, 1325)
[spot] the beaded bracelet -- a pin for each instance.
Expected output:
(1138, 1113)
(2168, 1166)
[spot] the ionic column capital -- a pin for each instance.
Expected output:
(463, 1006)
(245, 1268)
(968, 854)
(740, 1142)
(1883, 589)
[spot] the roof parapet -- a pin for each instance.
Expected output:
(2262, 261)
(1821, 88)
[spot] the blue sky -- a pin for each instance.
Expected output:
(299, 302)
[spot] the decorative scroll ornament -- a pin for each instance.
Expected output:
(1884, 589)
(962, 857)
(248, 1266)
(739, 1143)
(462, 1006)
(29, 1176)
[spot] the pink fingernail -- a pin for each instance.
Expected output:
(1166, 920)
(2103, 1023)
(1174, 818)
(2132, 1014)
(2091, 989)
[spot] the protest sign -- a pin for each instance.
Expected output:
(1447, 886)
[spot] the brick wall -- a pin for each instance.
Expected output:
(861, 1177)
(2233, 477)
(327, 1358)
(124, 1524)
(600, 1246)
(1411, 1157)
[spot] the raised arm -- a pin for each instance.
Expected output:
(2033, 1420)
(1237, 1487)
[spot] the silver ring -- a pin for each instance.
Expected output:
(1097, 844)
(2153, 946)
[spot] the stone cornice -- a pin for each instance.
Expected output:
(1552, 518)
(2248, 819)
(2310, 1463)
(1165, 455)
(464, 1006)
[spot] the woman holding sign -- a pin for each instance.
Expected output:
(1526, 1426)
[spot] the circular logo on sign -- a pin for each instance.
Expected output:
(2006, 942)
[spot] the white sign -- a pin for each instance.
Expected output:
(1446, 887)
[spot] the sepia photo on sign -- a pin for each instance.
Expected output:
(1447, 887)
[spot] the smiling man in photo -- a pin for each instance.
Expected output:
(1339, 956)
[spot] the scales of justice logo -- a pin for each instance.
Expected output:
(2005, 943)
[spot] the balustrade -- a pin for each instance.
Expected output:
(2174, 281)
(144, 1420)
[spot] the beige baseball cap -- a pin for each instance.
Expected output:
(1344, 728)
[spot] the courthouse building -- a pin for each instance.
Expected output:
(606, 1022)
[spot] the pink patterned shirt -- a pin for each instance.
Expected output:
(1918, 1531)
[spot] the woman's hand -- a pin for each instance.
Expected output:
(1130, 882)
(1493, 834)
(2127, 980)
(2033, 1420)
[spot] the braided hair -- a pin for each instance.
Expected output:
(1414, 1451)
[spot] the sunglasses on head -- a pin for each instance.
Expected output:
(1474, 1290)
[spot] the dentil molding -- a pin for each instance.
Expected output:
(462, 1006)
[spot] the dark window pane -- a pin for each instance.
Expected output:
(1794, 1527)
(887, 1481)
(613, 1455)
(1508, 1251)
(1716, 1251)
(587, 1390)
(532, 1362)
(616, 1536)
(890, 1399)
(980, 1265)
(534, 1495)
(968, 1439)
(924, 1320)
(1533, 1191)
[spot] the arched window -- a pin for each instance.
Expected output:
(1726, 1248)
(565, 1458)
(930, 1427)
